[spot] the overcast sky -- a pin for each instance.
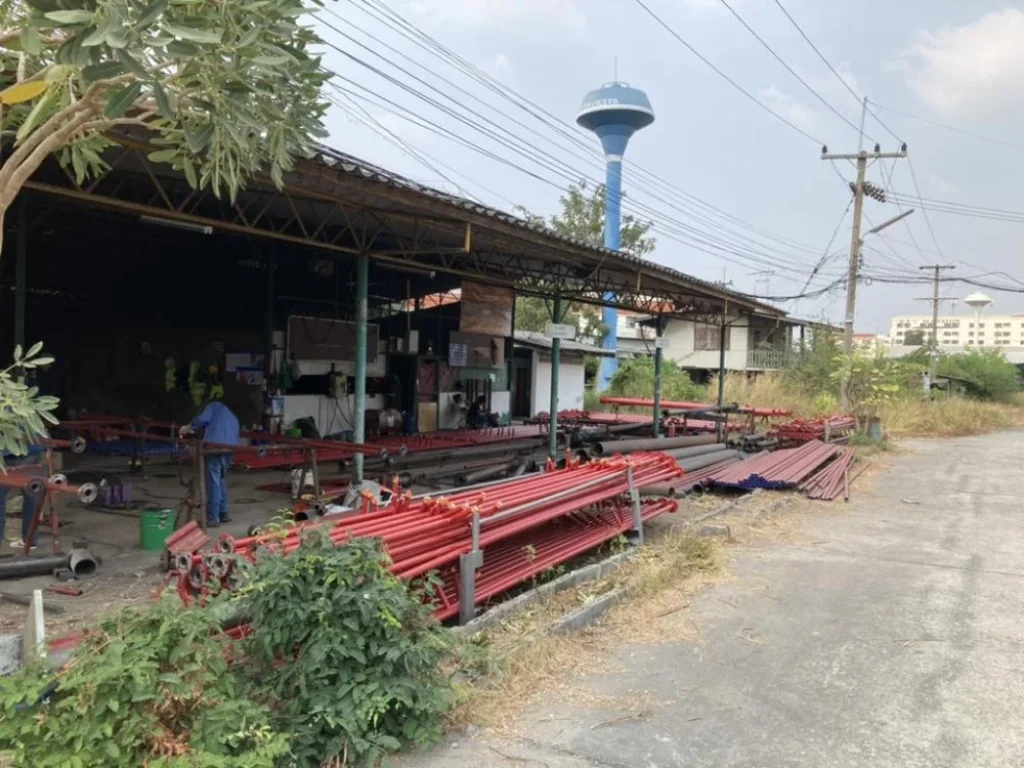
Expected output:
(950, 61)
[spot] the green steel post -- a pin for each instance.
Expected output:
(556, 353)
(20, 254)
(362, 280)
(510, 354)
(721, 374)
(656, 431)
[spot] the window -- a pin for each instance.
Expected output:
(705, 337)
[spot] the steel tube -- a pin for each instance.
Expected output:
(359, 417)
(699, 462)
(606, 447)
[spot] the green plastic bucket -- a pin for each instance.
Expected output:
(155, 525)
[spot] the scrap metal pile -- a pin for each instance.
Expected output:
(520, 527)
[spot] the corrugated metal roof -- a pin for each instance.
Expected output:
(540, 341)
(353, 166)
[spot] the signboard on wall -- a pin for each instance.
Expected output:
(324, 338)
(486, 310)
(563, 331)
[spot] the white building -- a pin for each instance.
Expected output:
(960, 331)
(752, 343)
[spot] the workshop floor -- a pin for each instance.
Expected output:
(127, 574)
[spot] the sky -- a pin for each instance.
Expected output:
(733, 192)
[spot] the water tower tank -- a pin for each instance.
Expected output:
(615, 111)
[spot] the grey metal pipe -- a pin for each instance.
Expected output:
(32, 566)
(651, 444)
(699, 462)
(696, 450)
(659, 489)
(486, 473)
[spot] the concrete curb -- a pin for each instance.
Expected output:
(586, 615)
(499, 613)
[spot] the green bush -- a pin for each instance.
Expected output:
(150, 688)
(343, 665)
(348, 658)
(635, 378)
(986, 373)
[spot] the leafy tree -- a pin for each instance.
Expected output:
(988, 374)
(23, 410)
(915, 338)
(228, 87)
(635, 378)
(582, 218)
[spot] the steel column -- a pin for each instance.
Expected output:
(268, 318)
(510, 355)
(362, 283)
(656, 427)
(556, 354)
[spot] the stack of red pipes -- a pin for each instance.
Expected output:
(829, 482)
(803, 430)
(780, 469)
(539, 521)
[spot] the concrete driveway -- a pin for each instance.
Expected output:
(890, 633)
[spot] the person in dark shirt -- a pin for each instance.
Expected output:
(478, 416)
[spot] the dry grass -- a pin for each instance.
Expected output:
(907, 417)
(949, 417)
(523, 660)
(769, 390)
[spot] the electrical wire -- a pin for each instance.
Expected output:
(724, 76)
(825, 255)
(379, 12)
(792, 71)
(954, 129)
(924, 208)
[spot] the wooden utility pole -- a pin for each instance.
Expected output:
(934, 343)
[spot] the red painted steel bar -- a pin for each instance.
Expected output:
(643, 402)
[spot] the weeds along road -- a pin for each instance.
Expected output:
(885, 632)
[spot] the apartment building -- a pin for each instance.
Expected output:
(960, 331)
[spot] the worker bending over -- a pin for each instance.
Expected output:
(220, 427)
(479, 417)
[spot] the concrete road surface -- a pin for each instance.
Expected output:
(891, 635)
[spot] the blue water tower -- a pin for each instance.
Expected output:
(614, 112)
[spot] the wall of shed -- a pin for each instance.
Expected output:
(570, 384)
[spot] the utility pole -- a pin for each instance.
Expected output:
(934, 345)
(856, 242)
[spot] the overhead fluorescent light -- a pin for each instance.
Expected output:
(202, 229)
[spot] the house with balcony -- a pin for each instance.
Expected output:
(753, 343)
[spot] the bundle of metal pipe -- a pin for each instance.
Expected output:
(608, 447)
(564, 511)
(781, 469)
(829, 482)
(803, 430)
(697, 469)
(643, 402)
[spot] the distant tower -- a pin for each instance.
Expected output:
(978, 301)
(614, 112)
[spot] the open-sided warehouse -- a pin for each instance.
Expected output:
(316, 300)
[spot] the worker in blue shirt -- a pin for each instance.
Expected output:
(28, 501)
(220, 426)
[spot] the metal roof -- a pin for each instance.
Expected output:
(350, 165)
(540, 341)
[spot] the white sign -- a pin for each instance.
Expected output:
(560, 331)
(661, 342)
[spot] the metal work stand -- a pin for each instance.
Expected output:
(636, 533)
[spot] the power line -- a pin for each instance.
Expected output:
(380, 12)
(557, 165)
(789, 69)
(952, 128)
(924, 208)
(724, 76)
